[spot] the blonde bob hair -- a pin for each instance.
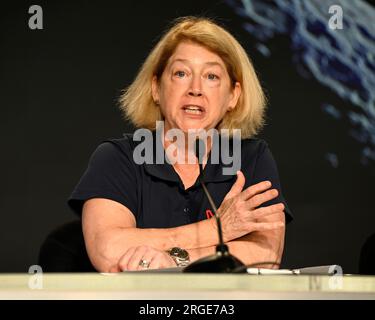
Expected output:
(137, 103)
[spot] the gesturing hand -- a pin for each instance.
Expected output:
(239, 210)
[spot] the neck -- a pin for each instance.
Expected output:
(183, 150)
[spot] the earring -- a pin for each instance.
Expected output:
(157, 102)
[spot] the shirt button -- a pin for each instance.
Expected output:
(186, 210)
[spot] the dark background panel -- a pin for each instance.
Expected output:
(59, 89)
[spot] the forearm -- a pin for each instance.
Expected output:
(254, 248)
(112, 243)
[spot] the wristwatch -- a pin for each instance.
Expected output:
(180, 256)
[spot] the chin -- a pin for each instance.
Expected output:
(193, 128)
(185, 127)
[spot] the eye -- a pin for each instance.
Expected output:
(212, 76)
(180, 74)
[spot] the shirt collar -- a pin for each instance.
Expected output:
(165, 171)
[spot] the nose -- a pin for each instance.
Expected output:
(195, 89)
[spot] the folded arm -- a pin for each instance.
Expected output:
(110, 230)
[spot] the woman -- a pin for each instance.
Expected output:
(150, 215)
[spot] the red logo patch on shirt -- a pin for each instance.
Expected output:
(209, 214)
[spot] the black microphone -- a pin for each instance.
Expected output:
(222, 261)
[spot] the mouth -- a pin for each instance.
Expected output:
(193, 109)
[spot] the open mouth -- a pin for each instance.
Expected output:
(193, 109)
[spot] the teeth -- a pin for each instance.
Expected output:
(193, 109)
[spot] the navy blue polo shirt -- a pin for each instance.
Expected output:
(155, 194)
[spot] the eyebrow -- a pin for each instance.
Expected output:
(210, 63)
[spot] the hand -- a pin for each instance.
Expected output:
(239, 210)
(157, 259)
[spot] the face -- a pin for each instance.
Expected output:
(195, 90)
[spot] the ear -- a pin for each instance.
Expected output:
(235, 95)
(155, 89)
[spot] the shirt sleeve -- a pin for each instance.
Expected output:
(266, 169)
(111, 175)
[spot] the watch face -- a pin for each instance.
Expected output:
(180, 253)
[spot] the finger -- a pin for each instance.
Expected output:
(156, 263)
(124, 260)
(149, 257)
(237, 186)
(261, 198)
(266, 226)
(266, 211)
(161, 260)
(255, 189)
(167, 262)
(114, 269)
(136, 258)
